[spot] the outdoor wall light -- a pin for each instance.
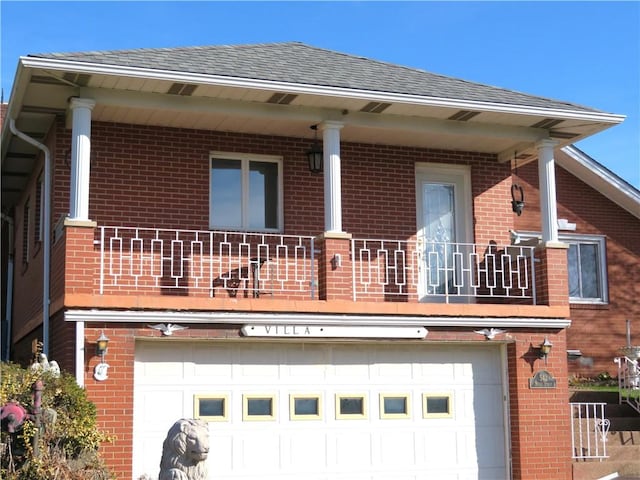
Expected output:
(101, 345)
(315, 153)
(545, 348)
(101, 370)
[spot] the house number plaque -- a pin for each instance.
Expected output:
(542, 379)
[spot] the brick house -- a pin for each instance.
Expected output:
(376, 319)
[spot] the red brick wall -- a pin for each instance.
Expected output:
(159, 177)
(597, 330)
(540, 424)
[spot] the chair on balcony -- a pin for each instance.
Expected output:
(238, 278)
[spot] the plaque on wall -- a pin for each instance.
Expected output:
(542, 379)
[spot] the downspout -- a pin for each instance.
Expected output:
(46, 234)
(9, 306)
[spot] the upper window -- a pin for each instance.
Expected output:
(245, 192)
(586, 265)
(587, 269)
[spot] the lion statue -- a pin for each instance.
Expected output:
(185, 450)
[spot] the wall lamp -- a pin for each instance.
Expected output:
(545, 348)
(100, 372)
(315, 153)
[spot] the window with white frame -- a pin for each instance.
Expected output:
(587, 269)
(245, 192)
(586, 265)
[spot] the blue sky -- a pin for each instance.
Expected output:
(582, 52)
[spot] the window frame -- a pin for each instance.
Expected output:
(245, 159)
(26, 232)
(601, 247)
(425, 410)
(407, 403)
(211, 418)
(352, 416)
(247, 397)
(301, 416)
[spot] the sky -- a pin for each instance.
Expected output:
(587, 53)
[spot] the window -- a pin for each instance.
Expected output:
(258, 407)
(26, 228)
(210, 408)
(351, 406)
(436, 405)
(305, 407)
(586, 265)
(394, 405)
(587, 269)
(245, 192)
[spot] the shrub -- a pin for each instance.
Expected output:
(67, 448)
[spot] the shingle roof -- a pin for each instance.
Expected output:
(298, 63)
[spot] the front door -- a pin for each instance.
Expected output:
(444, 219)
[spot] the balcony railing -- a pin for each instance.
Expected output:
(442, 272)
(252, 265)
(183, 261)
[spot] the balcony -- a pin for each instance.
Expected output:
(236, 270)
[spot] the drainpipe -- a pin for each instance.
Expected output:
(9, 306)
(46, 240)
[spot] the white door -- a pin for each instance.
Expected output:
(444, 232)
(326, 411)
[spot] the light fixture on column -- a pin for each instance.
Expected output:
(315, 154)
(517, 194)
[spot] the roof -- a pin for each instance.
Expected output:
(295, 62)
(600, 178)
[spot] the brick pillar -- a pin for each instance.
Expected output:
(334, 266)
(539, 417)
(82, 257)
(552, 276)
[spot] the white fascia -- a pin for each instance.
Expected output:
(219, 80)
(235, 318)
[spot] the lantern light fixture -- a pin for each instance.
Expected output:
(545, 348)
(315, 153)
(101, 345)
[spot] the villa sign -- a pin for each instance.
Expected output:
(328, 331)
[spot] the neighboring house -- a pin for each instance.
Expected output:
(370, 321)
(600, 220)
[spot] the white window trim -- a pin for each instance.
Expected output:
(245, 158)
(569, 238)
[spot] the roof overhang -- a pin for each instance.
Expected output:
(147, 96)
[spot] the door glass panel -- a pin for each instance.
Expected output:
(440, 233)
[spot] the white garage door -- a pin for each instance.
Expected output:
(326, 411)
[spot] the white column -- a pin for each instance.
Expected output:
(332, 182)
(547, 181)
(80, 157)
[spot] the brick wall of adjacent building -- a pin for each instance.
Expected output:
(598, 331)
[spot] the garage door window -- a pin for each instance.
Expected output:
(210, 408)
(258, 407)
(305, 407)
(394, 405)
(351, 406)
(437, 405)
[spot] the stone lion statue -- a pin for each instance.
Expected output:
(185, 450)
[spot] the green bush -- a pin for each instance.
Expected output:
(67, 448)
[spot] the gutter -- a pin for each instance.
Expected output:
(9, 306)
(46, 241)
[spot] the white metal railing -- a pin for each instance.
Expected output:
(589, 429)
(252, 263)
(629, 381)
(442, 271)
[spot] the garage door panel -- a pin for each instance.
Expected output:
(468, 443)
